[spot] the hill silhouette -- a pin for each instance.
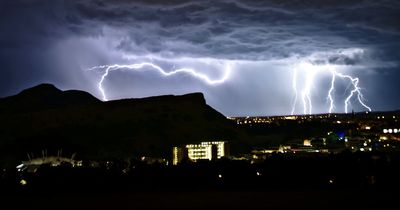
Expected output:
(43, 97)
(46, 118)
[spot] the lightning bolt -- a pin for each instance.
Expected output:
(310, 70)
(294, 86)
(331, 89)
(356, 90)
(306, 94)
(138, 66)
(306, 99)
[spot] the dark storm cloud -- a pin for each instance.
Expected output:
(50, 40)
(227, 29)
(254, 30)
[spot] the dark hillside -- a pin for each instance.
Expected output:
(44, 117)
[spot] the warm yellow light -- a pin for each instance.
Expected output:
(23, 182)
(307, 142)
(175, 156)
(290, 117)
(204, 150)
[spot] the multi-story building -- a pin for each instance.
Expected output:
(204, 151)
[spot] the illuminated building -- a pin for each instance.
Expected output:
(203, 151)
(178, 154)
(284, 149)
(54, 161)
(307, 143)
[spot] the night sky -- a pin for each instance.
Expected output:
(255, 49)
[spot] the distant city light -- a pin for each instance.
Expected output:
(307, 143)
(290, 118)
(23, 182)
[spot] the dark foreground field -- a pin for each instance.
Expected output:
(208, 199)
(341, 181)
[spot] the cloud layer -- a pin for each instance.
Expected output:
(52, 41)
